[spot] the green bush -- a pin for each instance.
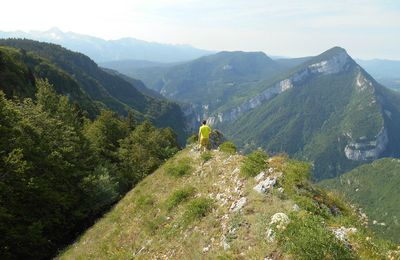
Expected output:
(179, 196)
(254, 163)
(206, 156)
(306, 237)
(180, 168)
(228, 147)
(194, 138)
(296, 174)
(197, 209)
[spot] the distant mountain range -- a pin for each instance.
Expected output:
(77, 76)
(325, 109)
(386, 72)
(101, 50)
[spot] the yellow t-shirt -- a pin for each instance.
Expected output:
(204, 131)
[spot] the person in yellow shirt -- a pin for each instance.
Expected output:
(204, 135)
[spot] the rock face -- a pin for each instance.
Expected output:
(369, 149)
(335, 64)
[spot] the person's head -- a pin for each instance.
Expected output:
(204, 122)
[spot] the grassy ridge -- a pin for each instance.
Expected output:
(190, 216)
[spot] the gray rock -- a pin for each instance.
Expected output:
(235, 171)
(265, 185)
(342, 234)
(296, 207)
(270, 235)
(237, 205)
(260, 176)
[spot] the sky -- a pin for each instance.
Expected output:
(365, 28)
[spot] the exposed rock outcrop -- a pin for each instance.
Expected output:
(368, 149)
(335, 64)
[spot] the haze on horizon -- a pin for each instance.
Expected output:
(365, 28)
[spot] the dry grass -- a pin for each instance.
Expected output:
(144, 225)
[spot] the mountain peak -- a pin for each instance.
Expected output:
(55, 30)
(332, 52)
(250, 54)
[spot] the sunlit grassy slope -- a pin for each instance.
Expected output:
(188, 209)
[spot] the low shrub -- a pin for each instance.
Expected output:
(228, 147)
(306, 237)
(144, 201)
(194, 138)
(197, 209)
(206, 156)
(179, 168)
(179, 196)
(254, 163)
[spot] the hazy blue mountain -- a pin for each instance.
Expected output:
(101, 50)
(127, 66)
(374, 187)
(381, 68)
(77, 76)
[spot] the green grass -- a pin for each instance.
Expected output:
(153, 225)
(187, 221)
(228, 147)
(197, 209)
(206, 156)
(179, 196)
(144, 201)
(254, 163)
(179, 168)
(306, 237)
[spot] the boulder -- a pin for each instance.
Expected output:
(237, 205)
(265, 185)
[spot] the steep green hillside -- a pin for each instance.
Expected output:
(208, 207)
(212, 79)
(105, 89)
(328, 111)
(374, 187)
(324, 109)
(18, 70)
(60, 171)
